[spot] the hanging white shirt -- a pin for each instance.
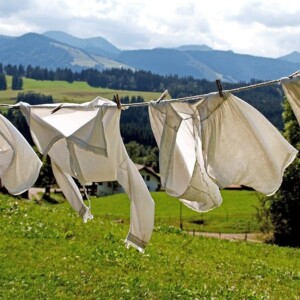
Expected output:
(19, 164)
(241, 146)
(176, 128)
(84, 142)
(291, 88)
(225, 142)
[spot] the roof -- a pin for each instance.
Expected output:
(148, 169)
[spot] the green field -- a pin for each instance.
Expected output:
(63, 91)
(46, 252)
(235, 215)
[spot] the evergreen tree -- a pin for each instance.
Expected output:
(3, 83)
(280, 212)
(17, 83)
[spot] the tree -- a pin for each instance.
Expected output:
(280, 212)
(3, 83)
(17, 83)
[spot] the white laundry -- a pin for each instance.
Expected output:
(19, 164)
(291, 88)
(84, 142)
(228, 141)
(176, 129)
(241, 146)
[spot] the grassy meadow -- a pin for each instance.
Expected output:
(46, 252)
(237, 214)
(63, 91)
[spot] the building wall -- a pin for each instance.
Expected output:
(108, 188)
(113, 187)
(152, 182)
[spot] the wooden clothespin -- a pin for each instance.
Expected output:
(162, 96)
(220, 88)
(117, 100)
(57, 108)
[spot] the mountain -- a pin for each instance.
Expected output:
(97, 45)
(55, 49)
(32, 48)
(292, 57)
(194, 48)
(211, 65)
(242, 67)
(40, 50)
(167, 62)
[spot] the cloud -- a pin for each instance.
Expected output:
(11, 7)
(269, 14)
(267, 28)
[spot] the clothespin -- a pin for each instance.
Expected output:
(162, 96)
(57, 108)
(117, 100)
(220, 88)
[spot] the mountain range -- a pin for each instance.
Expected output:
(56, 49)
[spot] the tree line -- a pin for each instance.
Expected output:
(268, 100)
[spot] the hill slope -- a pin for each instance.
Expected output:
(211, 65)
(48, 246)
(39, 50)
(97, 45)
(292, 57)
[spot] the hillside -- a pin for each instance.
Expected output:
(39, 50)
(97, 46)
(292, 57)
(46, 252)
(58, 49)
(63, 91)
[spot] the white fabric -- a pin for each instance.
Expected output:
(176, 129)
(84, 142)
(216, 143)
(241, 146)
(19, 164)
(291, 88)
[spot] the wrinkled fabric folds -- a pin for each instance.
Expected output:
(84, 142)
(241, 146)
(291, 88)
(183, 174)
(215, 143)
(19, 164)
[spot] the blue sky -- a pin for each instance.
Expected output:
(268, 28)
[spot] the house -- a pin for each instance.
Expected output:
(151, 179)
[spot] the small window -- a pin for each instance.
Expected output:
(148, 178)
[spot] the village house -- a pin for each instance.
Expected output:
(151, 179)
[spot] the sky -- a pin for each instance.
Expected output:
(269, 28)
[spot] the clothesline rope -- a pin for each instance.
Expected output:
(235, 90)
(183, 99)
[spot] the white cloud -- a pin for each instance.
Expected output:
(259, 27)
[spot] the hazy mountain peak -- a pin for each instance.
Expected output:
(292, 57)
(194, 48)
(94, 45)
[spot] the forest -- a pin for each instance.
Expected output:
(268, 100)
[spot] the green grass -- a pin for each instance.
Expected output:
(46, 252)
(235, 215)
(63, 91)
